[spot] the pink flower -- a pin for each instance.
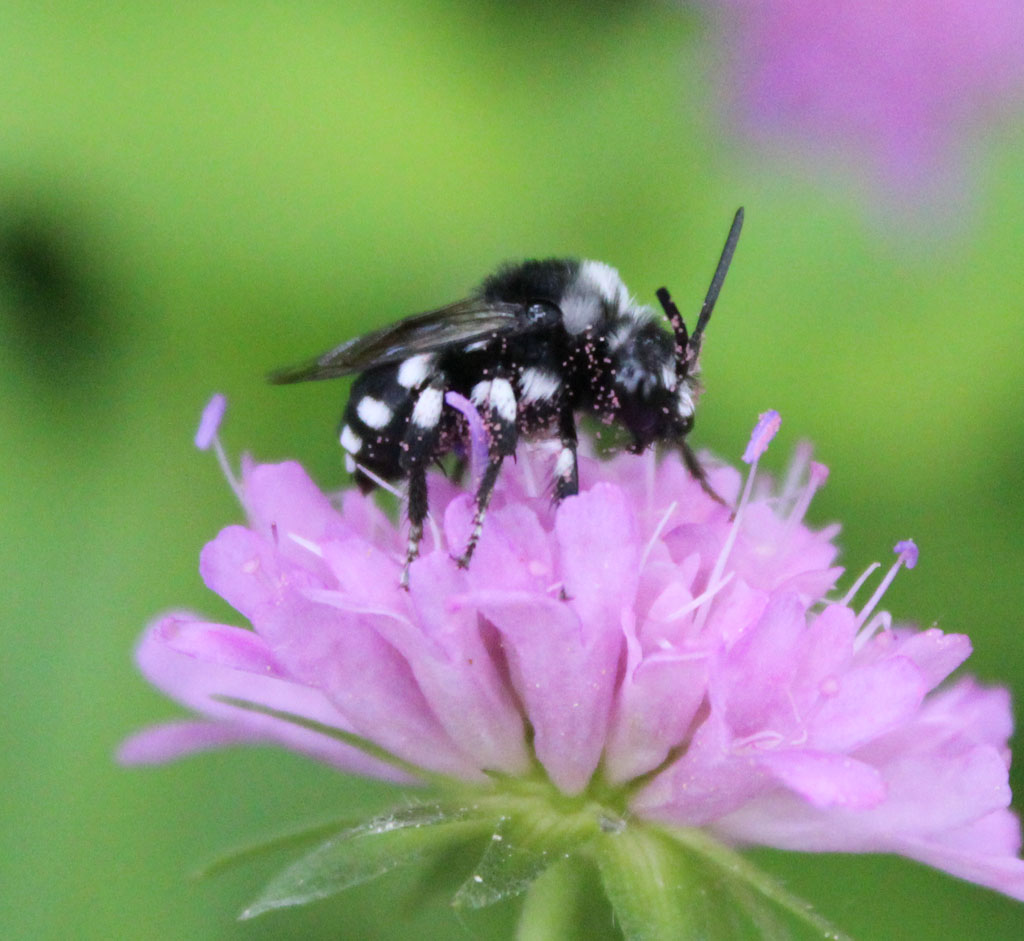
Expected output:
(640, 639)
(896, 83)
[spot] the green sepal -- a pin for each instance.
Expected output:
(566, 903)
(761, 895)
(275, 844)
(510, 863)
(530, 836)
(680, 884)
(650, 884)
(362, 853)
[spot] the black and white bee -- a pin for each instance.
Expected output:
(537, 344)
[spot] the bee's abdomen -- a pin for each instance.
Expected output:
(374, 424)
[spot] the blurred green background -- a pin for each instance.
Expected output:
(192, 196)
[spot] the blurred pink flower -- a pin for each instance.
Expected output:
(638, 635)
(898, 84)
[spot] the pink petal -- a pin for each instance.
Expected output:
(345, 655)
(514, 551)
(366, 575)
(756, 673)
(1002, 873)
(170, 656)
(826, 653)
(367, 520)
(245, 569)
(935, 654)
(599, 556)
(654, 710)
(173, 740)
(996, 833)
(936, 792)
(281, 497)
(708, 781)
(457, 673)
(865, 702)
(826, 779)
(564, 677)
(978, 713)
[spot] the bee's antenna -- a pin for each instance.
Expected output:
(678, 328)
(693, 348)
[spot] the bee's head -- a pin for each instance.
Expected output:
(653, 393)
(655, 373)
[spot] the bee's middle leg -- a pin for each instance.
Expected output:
(497, 400)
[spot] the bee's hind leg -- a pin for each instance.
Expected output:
(417, 514)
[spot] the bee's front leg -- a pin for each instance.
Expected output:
(696, 469)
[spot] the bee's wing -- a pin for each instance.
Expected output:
(455, 325)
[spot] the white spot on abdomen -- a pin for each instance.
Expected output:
(415, 370)
(373, 412)
(350, 441)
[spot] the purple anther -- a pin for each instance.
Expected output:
(210, 422)
(907, 551)
(766, 428)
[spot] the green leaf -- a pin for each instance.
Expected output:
(365, 852)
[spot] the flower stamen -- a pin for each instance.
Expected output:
(906, 555)
(306, 544)
(207, 437)
(855, 587)
(705, 595)
(792, 484)
(766, 428)
(380, 481)
(657, 532)
(816, 477)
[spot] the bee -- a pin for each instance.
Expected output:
(537, 344)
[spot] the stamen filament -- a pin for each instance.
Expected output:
(767, 426)
(907, 556)
(855, 587)
(657, 532)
